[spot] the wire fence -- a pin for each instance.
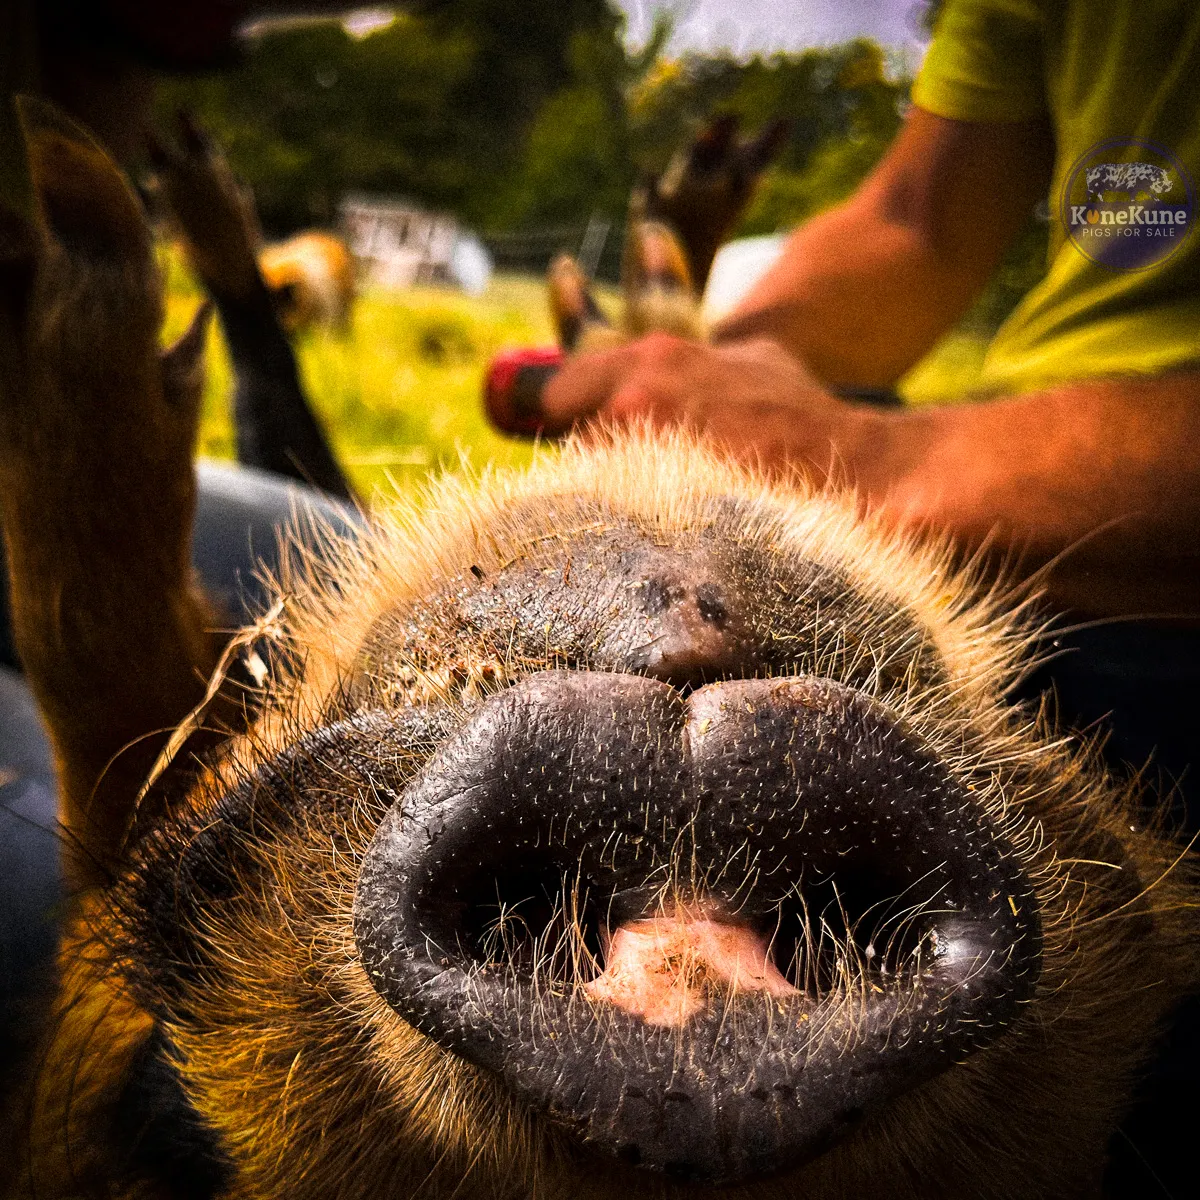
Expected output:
(596, 244)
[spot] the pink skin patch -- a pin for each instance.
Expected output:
(663, 969)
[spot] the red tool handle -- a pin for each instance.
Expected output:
(515, 380)
(512, 389)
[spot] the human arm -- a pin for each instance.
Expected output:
(1100, 472)
(1103, 473)
(1098, 477)
(865, 289)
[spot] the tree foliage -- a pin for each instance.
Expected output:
(515, 113)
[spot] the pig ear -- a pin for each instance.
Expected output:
(83, 199)
(757, 154)
(716, 145)
(183, 363)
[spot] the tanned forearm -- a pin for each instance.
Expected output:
(1099, 477)
(864, 290)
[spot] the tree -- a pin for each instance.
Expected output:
(437, 107)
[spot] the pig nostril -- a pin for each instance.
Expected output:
(856, 919)
(530, 917)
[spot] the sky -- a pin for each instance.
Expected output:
(745, 26)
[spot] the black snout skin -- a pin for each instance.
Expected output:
(749, 795)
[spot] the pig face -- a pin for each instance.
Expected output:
(631, 827)
(623, 829)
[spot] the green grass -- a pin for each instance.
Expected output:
(400, 394)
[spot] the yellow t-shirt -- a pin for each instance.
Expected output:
(1104, 73)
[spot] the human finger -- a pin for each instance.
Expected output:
(583, 385)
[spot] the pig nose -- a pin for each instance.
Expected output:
(597, 870)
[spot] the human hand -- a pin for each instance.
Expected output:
(752, 397)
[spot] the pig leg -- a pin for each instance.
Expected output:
(97, 430)
(579, 321)
(276, 429)
(659, 291)
(706, 188)
(656, 288)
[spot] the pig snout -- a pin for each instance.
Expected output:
(704, 930)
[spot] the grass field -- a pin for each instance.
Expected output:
(400, 393)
